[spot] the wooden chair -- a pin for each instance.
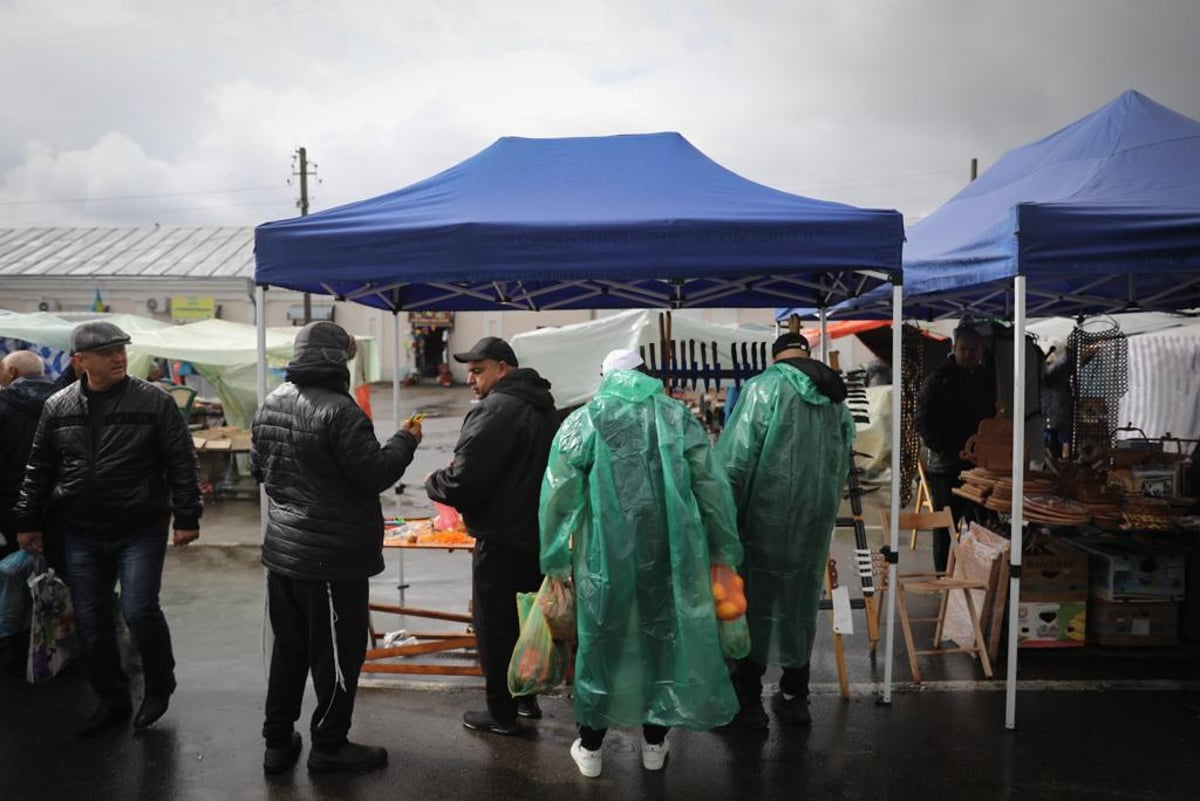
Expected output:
(940, 584)
(924, 502)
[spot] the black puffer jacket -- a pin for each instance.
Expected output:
(949, 409)
(496, 479)
(141, 468)
(323, 468)
(20, 407)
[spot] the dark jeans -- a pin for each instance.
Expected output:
(592, 739)
(940, 486)
(498, 573)
(94, 566)
(747, 681)
(304, 616)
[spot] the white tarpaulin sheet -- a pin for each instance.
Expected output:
(569, 356)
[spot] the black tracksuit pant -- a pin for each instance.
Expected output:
(304, 616)
(498, 573)
(940, 486)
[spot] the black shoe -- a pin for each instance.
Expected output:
(796, 711)
(107, 715)
(527, 707)
(153, 707)
(751, 716)
(277, 760)
(483, 721)
(349, 758)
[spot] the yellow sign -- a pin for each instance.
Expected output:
(187, 308)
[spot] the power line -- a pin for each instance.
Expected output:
(151, 196)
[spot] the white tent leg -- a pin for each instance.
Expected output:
(260, 326)
(824, 335)
(1018, 497)
(894, 530)
(402, 584)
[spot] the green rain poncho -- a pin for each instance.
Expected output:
(634, 504)
(786, 448)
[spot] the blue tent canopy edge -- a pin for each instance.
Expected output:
(640, 220)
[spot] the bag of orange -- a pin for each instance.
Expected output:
(728, 589)
(538, 662)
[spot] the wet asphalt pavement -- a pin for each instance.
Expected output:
(1092, 723)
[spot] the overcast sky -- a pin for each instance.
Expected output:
(187, 113)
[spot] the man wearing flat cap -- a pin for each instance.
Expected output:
(494, 483)
(112, 462)
(786, 449)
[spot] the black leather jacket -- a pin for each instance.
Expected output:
(496, 479)
(323, 468)
(951, 405)
(140, 467)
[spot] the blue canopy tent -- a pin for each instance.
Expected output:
(1102, 216)
(636, 221)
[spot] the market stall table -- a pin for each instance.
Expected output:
(428, 642)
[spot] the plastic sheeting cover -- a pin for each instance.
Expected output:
(634, 504)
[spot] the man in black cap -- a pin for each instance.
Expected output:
(111, 461)
(495, 484)
(786, 450)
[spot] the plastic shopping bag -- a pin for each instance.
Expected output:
(52, 634)
(538, 662)
(16, 604)
(735, 637)
(447, 518)
(557, 599)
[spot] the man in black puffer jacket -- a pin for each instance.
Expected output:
(315, 451)
(495, 483)
(111, 461)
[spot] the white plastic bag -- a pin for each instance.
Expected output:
(52, 636)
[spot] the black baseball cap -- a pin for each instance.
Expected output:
(787, 342)
(489, 348)
(96, 335)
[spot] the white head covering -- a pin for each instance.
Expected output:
(621, 359)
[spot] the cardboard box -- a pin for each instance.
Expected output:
(1053, 624)
(1058, 573)
(1129, 571)
(1132, 623)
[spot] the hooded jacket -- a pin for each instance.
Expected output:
(949, 409)
(634, 506)
(20, 407)
(132, 472)
(786, 449)
(323, 468)
(499, 460)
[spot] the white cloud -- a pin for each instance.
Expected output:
(875, 103)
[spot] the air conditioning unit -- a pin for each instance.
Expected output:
(48, 305)
(154, 305)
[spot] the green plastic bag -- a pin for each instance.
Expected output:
(538, 662)
(735, 638)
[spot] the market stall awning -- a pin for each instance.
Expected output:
(635, 221)
(1101, 216)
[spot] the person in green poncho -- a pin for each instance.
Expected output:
(786, 448)
(635, 508)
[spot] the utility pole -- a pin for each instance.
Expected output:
(301, 170)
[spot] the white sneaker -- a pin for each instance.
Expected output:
(654, 756)
(587, 761)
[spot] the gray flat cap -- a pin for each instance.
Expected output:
(95, 335)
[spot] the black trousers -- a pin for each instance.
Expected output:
(592, 739)
(747, 681)
(498, 573)
(940, 485)
(305, 615)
